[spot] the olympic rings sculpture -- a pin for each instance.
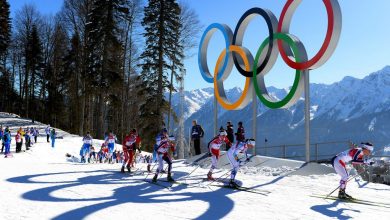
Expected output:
(255, 68)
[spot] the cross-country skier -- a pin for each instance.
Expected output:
(214, 146)
(166, 144)
(356, 156)
(87, 143)
(239, 147)
(159, 137)
(136, 147)
(111, 140)
(128, 146)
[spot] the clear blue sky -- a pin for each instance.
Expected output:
(363, 47)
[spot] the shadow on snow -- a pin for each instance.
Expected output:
(219, 204)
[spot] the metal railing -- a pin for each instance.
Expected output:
(378, 173)
(319, 151)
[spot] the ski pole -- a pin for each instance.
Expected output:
(224, 174)
(244, 163)
(197, 160)
(340, 185)
(199, 165)
(151, 170)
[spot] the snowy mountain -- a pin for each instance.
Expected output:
(359, 106)
(193, 100)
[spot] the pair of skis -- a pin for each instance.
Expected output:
(165, 186)
(354, 200)
(237, 188)
(244, 189)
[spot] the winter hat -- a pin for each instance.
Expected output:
(222, 131)
(368, 146)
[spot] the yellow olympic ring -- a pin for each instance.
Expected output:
(218, 84)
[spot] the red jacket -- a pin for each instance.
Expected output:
(129, 142)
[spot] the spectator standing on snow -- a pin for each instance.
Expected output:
(27, 137)
(1, 138)
(230, 133)
(53, 136)
(7, 142)
(47, 130)
(18, 140)
(35, 134)
(240, 135)
(196, 133)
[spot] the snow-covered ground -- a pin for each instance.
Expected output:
(44, 184)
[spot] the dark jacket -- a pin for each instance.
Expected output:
(240, 135)
(197, 132)
(230, 133)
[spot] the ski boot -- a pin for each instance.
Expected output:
(128, 168)
(154, 180)
(123, 169)
(233, 184)
(210, 177)
(344, 195)
(82, 160)
(169, 178)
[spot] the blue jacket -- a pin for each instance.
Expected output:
(8, 138)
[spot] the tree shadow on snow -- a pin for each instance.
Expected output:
(331, 210)
(130, 190)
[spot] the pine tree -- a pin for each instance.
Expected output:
(5, 33)
(104, 61)
(74, 87)
(34, 63)
(57, 78)
(161, 23)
